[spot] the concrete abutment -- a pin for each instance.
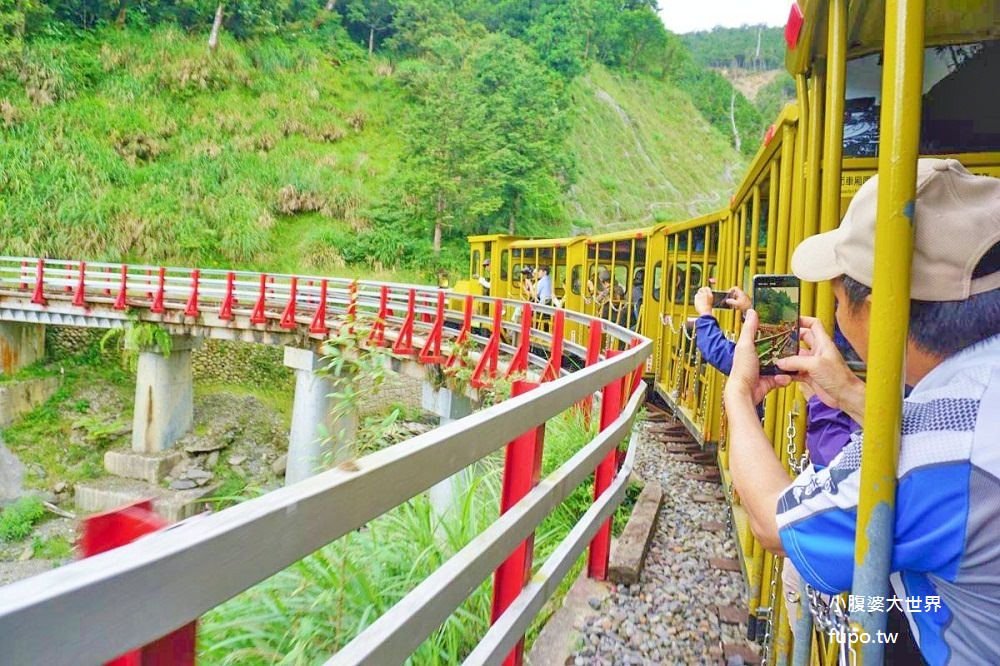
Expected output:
(164, 396)
(20, 345)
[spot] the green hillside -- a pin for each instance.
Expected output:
(645, 154)
(295, 149)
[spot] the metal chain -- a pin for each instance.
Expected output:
(829, 615)
(790, 434)
(771, 613)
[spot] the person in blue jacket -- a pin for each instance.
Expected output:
(828, 430)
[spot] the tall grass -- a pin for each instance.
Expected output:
(307, 612)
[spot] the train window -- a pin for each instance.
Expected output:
(517, 273)
(577, 280)
(698, 237)
(657, 277)
(695, 284)
(477, 266)
(504, 258)
(959, 112)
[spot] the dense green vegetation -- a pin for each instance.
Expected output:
(18, 519)
(737, 47)
(375, 132)
(773, 97)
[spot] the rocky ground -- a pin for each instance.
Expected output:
(670, 616)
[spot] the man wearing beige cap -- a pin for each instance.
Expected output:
(946, 553)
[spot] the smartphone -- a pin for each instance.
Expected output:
(776, 300)
(719, 299)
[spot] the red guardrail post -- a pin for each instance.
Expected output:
(431, 352)
(192, 305)
(600, 547)
(318, 325)
(38, 298)
(555, 358)
(377, 336)
(463, 334)
(404, 342)
(259, 314)
(161, 287)
(226, 309)
(521, 472)
(519, 363)
(116, 528)
(121, 302)
(594, 339)
(288, 316)
(490, 356)
(79, 299)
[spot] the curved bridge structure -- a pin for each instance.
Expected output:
(136, 594)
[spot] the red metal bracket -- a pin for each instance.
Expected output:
(404, 343)
(377, 336)
(157, 306)
(554, 367)
(463, 334)
(519, 363)
(431, 352)
(110, 530)
(793, 28)
(288, 316)
(38, 298)
(594, 340)
(259, 314)
(226, 309)
(522, 471)
(490, 355)
(318, 325)
(600, 547)
(192, 305)
(79, 299)
(121, 303)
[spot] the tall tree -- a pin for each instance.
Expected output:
(374, 16)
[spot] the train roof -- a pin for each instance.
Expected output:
(627, 234)
(494, 237)
(947, 22)
(548, 242)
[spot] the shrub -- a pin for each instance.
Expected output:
(18, 520)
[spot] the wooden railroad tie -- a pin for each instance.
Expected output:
(732, 614)
(724, 563)
(712, 526)
(737, 653)
(707, 499)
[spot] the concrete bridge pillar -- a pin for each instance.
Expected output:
(164, 397)
(449, 406)
(318, 436)
(20, 345)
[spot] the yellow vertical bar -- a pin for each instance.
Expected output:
(784, 199)
(741, 253)
(674, 342)
(833, 147)
(798, 176)
(814, 134)
(902, 83)
(685, 342)
(754, 237)
(772, 216)
(631, 286)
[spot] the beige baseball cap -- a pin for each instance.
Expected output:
(956, 222)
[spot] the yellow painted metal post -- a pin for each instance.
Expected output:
(686, 341)
(741, 253)
(784, 199)
(833, 147)
(902, 82)
(629, 323)
(754, 238)
(772, 217)
(798, 178)
(814, 134)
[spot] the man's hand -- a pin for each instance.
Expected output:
(745, 381)
(821, 366)
(739, 299)
(703, 301)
